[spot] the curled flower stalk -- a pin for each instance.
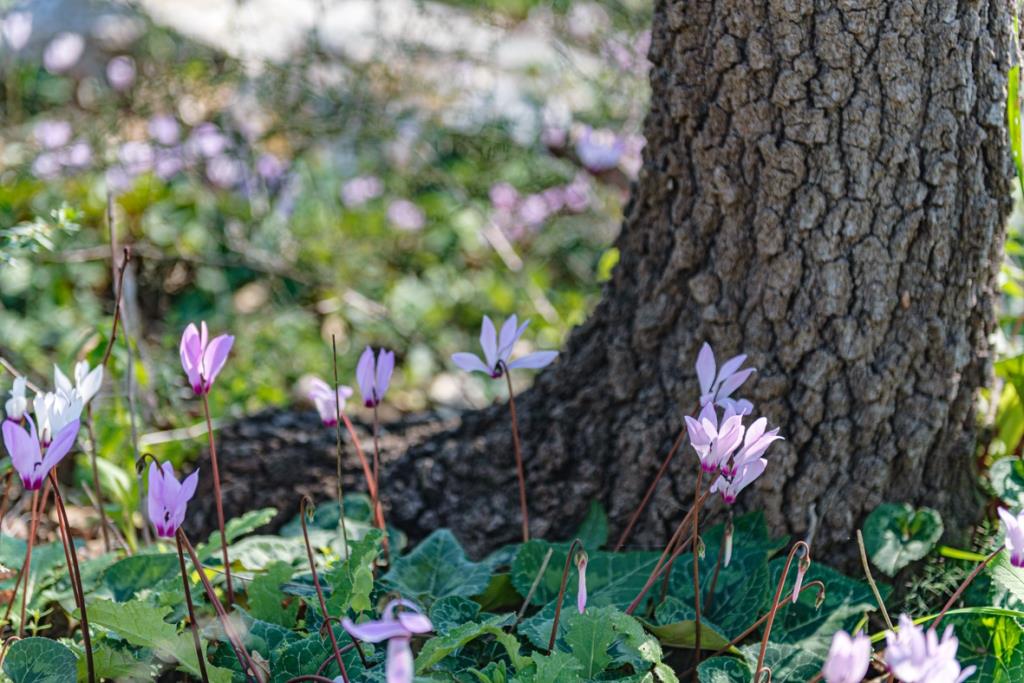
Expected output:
(581, 601)
(805, 560)
(497, 361)
(202, 361)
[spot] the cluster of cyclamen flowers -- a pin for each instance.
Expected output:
(912, 655)
(724, 446)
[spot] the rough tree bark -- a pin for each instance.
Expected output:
(824, 188)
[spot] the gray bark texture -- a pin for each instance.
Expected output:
(824, 188)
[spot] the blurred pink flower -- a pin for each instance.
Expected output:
(533, 210)
(16, 28)
(63, 52)
(46, 166)
(599, 150)
(503, 196)
(136, 157)
(1013, 526)
(77, 155)
(270, 167)
(405, 215)
(577, 194)
(848, 658)
(164, 129)
(52, 134)
(206, 140)
(328, 402)
(916, 656)
(121, 72)
(224, 172)
(358, 191)
(397, 629)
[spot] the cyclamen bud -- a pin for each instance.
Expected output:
(581, 593)
(17, 404)
(727, 539)
(801, 570)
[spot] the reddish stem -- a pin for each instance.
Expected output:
(561, 594)
(650, 491)
(696, 570)
(26, 567)
(963, 586)
(75, 573)
(96, 478)
(220, 504)
(378, 509)
(337, 432)
(775, 603)
(319, 591)
(517, 446)
(191, 613)
(236, 643)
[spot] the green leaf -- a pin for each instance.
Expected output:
(234, 529)
(557, 667)
(455, 610)
(143, 625)
(266, 600)
(1007, 478)
(437, 568)
(127, 578)
(351, 582)
(589, 637)
(303, 657)
(682, 634)
(1008, 577)
(787, 662)
(40, 660)
(994, 644)
(593, 532)
(118, 663)
(499, 595)
(439, 647)
(895, 535)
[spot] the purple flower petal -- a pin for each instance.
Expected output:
(365, 377)
(215, 356)
(535, 360)
(489, 343)
(399, 662)
(706, 368)
(470, 362)
(375, 631)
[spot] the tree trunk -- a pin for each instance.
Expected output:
(824, 188)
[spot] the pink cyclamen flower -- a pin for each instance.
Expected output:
(717, 387)
(203, 361)
(87, 382)
(405, 215)
(17, 404)
(581, 591)
(54, 411)
(730, 488)
(599, 150)
(848, 658)
(121, 72)
(714, 442)
(915, 656)
(1014, 528)
(755, 442)
(329, 403)
(63, 52)
(27, 452)
(16, 28)
(397, 629)
(374, 377)
(359, 190)
(167, 498)
(498, 350)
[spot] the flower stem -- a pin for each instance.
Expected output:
(371, 486)
(96, 478)
(74, 572)
(696, 571)
(963, 586)
(8, 480)
(775, 604)
(561, 594)
(220, 504)
(753, 627)
(673, 548)
(191, 613)
(650, 490)
(517, 446)
(236, 644)
(378, 509)
(319, 591)
(871, 579)
(26, 567)
(337, 430)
